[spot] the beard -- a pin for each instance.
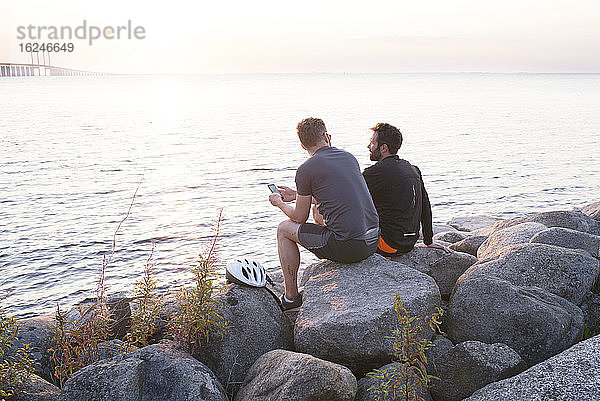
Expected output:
(375, 155)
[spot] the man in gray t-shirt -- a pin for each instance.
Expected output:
(347, 228)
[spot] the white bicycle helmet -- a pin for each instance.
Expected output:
(246, 272)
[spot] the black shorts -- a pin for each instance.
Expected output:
(320, 241)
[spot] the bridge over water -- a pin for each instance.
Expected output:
(30, 70)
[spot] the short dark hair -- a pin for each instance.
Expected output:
(310, 131)
(389, 135)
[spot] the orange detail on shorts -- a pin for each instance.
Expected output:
(385, 247)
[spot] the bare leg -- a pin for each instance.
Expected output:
(289, 256)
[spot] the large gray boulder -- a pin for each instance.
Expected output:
(473, 223)
(573, 375)
(366, 392)
(469, 245)
(517, 234)
(157, 372)
(533, 322)
(36, 389)
(348, 312)
(567, 238)
(592, 210)
(568, 273)
(276, 284)
(39, 332)
(573, 219)
(486, 232)
(286, 375)
(439, 228)
(256, 325)
(444, 268)
(451, 236)
(440, 345)
(112, 348)
(470, 366)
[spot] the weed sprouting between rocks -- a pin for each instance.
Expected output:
(407, 379)
(147, 307)
(16, 364)
(199, 312)
(81, 331)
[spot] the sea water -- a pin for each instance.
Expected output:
(74, 150)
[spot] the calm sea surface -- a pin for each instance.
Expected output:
(73, 150)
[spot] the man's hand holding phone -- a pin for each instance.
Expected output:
(287, 193)
(280, 194)
(275, 198)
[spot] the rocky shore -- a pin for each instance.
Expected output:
(519, 296)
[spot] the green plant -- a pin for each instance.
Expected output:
(589, 332)
(16, 364)
(199, 312)
(407, 379)
(148, 307)
(79, 335)
(81, 331)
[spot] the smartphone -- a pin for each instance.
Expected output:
(274, 189)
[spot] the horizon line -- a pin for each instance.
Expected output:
(324, 72)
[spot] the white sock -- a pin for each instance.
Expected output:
(286, 300)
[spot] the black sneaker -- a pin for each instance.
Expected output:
(294, 306)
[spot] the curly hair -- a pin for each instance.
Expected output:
(389, 135)
(310, 131)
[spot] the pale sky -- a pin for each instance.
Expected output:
(320, 36)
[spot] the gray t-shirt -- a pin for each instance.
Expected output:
(333, 177)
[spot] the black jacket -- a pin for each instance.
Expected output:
(401, 201)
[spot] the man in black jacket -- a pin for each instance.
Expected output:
(399, 195)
